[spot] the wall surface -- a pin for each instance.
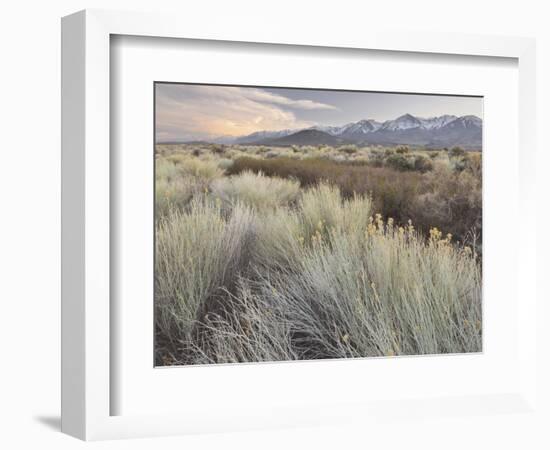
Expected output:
(29, 225)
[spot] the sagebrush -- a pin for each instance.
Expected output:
(270, 258)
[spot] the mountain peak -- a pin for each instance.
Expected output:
(403, 122)
(439, 131)
(363, 126)
(466, 121)
(437, 121)
(471, 118)
(406, 116)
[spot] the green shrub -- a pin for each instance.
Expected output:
(456, 152)
(400, 162)
(458, 164)
(348, 149)
(225, 163)
(422, 164)
(218, 148)
(403, 149)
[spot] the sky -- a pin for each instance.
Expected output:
(186, 112)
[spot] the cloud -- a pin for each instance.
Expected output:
(269, 97)
(199, 112)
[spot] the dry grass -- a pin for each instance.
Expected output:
(255, 190)
(307, 253)
(198, 254)
(207, 169)
(441, 197)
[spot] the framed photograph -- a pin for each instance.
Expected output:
(290, 227)
(268, 230)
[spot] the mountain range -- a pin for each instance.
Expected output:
(434, 132)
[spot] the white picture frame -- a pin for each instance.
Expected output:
(87, 354)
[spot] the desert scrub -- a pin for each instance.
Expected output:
(456, 152)
(474, 164)
(349, 149)
(198, 254)
(179, 178)
(282, 234)
(391, 293)
(173, 188)
(452, 201)
(175, 194)
(225, 163)
(400, 162)
(255, 190)
(422, 164)
(439, 197)
(249, 331)
(323, 210)
(206, 169)
(285, 259)
(351, 177)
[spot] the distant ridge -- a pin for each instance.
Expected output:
(433, 132)
(305, 137)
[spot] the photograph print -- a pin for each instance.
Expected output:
(300, 224)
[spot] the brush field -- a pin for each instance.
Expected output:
(293, 253)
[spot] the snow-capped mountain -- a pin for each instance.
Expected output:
(408, 121)
(404, 122)
(466, 122)
(361, 128)
(436, 122)
(332, 130)
(441, 131)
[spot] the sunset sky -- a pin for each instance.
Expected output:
(187, 112)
